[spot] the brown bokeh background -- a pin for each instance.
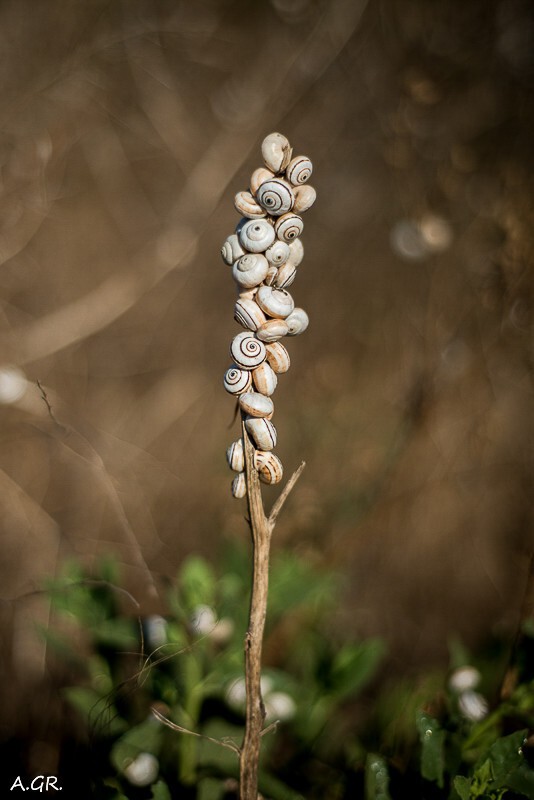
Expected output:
(127, 127)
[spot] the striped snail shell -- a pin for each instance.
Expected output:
(276, 152)
(296, 252)
(256, 235)
(264, 378)
(258, 177)
(299, 170)
(272, 330)
(297, 322)
(278, 253)
(236, 380)
(277, 357)
(247, 351)
(256, 405)
(247, 206)
(250, 270)
(275, 196)
(285, 276)
(275, 302)
(287, 227)
(269, 466)
(248, 314)
(235, 455)
(262, 431)
(304, 198)
(239, 486)
(231, 250)
(272, 272)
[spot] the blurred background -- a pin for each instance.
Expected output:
(127, 128)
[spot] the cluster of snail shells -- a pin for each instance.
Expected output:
(264, 254)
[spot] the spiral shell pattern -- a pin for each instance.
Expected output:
(288, 227)
(256, 235)
(299, 170)
(275, 197)
(237, 380)
(269, 466)
(247, 351)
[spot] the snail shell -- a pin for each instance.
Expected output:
(296, 252)
(248, 314)
(247, 206)
(239, 486)
(299, 170)
(297, 322)
(285, 277)
(250, 270)
(262, 431)
(258, 177)
(269, 466)
(275, 302)
(231, 250)
(272, 330)
(304, 198)
(236, 380)
(272, 272)
(264, 378)
(275, 196)
(247, 294)
(247, 351)
(276, 152)
(256, 235)
(278, 253)
(235, 455)
(277, 357)
(287, 227)
(256, 404)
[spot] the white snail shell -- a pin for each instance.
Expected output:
(304, 198)
(235, 455)
(248, 314)
(239, 486)
(269, 466)
(258, 177)
(272, 272)
(231, 250)
(278, 357)
(256, 235)
(247, 351)
(262, 431)
(299, 170)
(237, 380)
(285, 276)
(276, 152)
(272, 330)
(296, 252)
(287, 227)
(275, 302)
(264, 378)
(247, 206)
(297, 322)
(278, 253)
(250, 270)
(247, 294)
(275, 196)
(256, 404)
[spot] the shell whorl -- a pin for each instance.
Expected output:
(276, 197)
(236, 380)
(299, 170)
(288, 227)
(247, 351)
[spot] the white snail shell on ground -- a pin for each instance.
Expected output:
(257, 235)
(278, 253)
(239, 486)
(272, 330)
(269, 466)
(299, 170)
(276, 152)
(258, 177)
(304, 198)
(278, 357)
(250, 270)
(262, 431)
(285, 276)
(237, 380)
(256, 404)
(296, 252)
(247, 351)
(264, 378)
(248, 314)
(287, 227)
(297, 322)
(275, 302)
(235, 455)
(231, 250)
(275, 196)
(247, 206)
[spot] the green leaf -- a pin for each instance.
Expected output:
(143, 738)
(117, 633)
(506, 756)
(376, 778)
(197, 582)
(463, 787)
(355, 665)
(160, 791)
(97, 712)
(432, 739)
